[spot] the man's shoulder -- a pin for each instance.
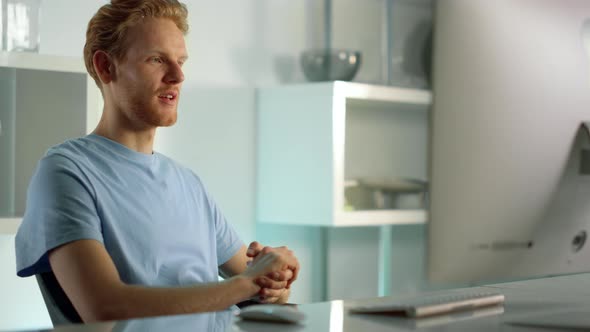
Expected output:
(73, 149)
(77, 155)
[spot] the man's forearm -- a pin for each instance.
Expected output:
(128, 301)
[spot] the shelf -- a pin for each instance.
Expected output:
(381, 217)
(314, 138)
(362, 92)
(24, 60)
(363, 218)
(9, 226)
(378, 94)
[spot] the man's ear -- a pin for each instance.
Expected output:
(104, 66)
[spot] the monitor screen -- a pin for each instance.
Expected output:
(510, 190)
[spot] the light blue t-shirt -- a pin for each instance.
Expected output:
(153, 216)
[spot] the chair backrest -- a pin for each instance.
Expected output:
(61, 311)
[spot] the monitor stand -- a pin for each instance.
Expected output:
(560, 242)
(573, 185)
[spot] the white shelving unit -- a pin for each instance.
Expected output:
(44, 100)
(312, 138)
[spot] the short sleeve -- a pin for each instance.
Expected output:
(228, 241)
(61, 208)
(226, 238)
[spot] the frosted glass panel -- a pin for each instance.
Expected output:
(7, 141)
(38, 109)
(50, 108)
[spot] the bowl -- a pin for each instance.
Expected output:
(330, 65)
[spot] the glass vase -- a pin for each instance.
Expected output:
(20, 25)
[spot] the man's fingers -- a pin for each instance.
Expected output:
(254, 249)
(268, 300)
(295, 271)
(281, 275)
(288, 274)
(267, 295)
(290, 269)
(265, 282)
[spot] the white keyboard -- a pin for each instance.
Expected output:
(431, 304)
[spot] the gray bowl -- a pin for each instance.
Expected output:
(330, 65)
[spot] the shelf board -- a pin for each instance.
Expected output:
(362, 92)
(24, 60)
(380, 217)
(9, 225)
(381, 93)
(365, 218)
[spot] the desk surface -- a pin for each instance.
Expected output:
(529, 301)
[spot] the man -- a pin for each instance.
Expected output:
(127, 231)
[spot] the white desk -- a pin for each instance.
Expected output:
(565, 295)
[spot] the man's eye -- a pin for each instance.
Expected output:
(156, 60)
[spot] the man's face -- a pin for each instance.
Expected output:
(147, 82)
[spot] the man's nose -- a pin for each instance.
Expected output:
(175, 74)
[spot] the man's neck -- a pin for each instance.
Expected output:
(138, 140)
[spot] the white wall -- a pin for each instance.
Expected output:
(234, 46)
(231, 42)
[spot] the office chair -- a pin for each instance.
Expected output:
(61, 311)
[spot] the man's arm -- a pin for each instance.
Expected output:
(90, 279)
(236, 264)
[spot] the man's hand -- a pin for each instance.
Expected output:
(274, 284)
(273, 291)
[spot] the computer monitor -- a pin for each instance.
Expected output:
(510, 190)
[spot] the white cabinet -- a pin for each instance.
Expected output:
(315, 140)
(44, 100)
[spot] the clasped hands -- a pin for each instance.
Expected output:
(273, 270)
